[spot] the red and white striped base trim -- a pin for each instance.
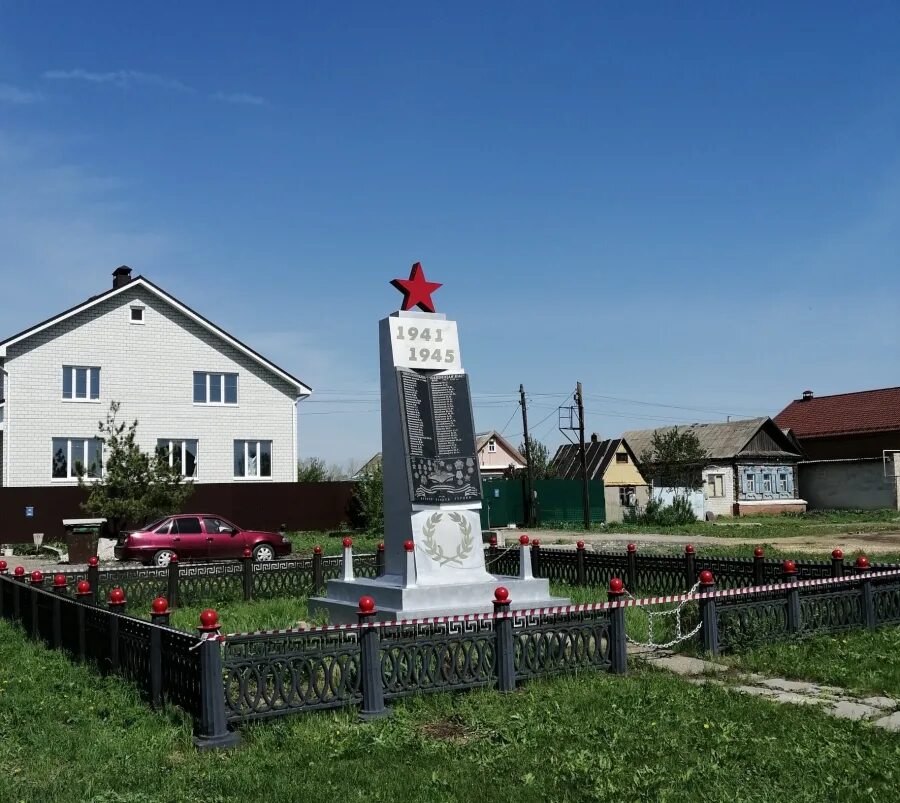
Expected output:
(587, 607)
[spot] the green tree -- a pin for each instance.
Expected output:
(312, 470)
(541, 465)
(367, 502)
(675, 459)
(135, 487)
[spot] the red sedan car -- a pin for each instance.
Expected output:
(198, 536)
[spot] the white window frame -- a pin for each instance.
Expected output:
(71, 474)
(75, 398)
(259, 443)
(782, 482)
(751, 483)
(221, 374)
(492, 446)
(712, 486)
(183, 441)
(767, 482)
(136, 306)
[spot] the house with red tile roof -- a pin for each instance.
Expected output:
(851, 445)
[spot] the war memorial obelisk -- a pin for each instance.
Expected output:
(434, 557)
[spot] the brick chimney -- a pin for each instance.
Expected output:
(121, 276)
(807, 395)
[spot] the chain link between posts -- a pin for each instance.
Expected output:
(652, 616)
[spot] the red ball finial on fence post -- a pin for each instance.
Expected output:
(174, 558)
(159, 611)
(758, 552)
(381, 546)
(707, 578)
(3, 567)
(862, 563)
(317, 550)
(789, 570)
(579, 545)
(689, 549)
(493, 540)
(93, 560)
(536, 542)
(19, 572)
(83, 587)
(409, 545)
(209, 621)
(117, 599)
(501, 600)
(59, 584)
(348, 542)
(631, 548)
(616, 586)
(37, 578)
(247, 554)
(523, 540)
(366, 606)
(837, 554)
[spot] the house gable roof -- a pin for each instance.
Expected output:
(843, 414)
(598, 455)
(483, 438)
(727, 440)
(140, 281)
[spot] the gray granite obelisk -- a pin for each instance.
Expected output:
(432, 486)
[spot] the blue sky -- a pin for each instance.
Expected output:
(693, 209)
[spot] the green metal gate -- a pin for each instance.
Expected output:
(555, 501)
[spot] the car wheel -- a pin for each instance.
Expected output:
(263, 552)
(162, 558)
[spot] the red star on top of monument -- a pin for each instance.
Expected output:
(417, 289)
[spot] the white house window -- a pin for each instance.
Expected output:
(80, 383)
(181, 454)
(751, 483)
(215, 388)
(252, 459)
(782, 483)
(767, 483)
(74, 456)
(137, 313)
(492, 446)
(716, 485)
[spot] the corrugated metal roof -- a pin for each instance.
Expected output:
(843, 413)
(598, 455)
(721, 441)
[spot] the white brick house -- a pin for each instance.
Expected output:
(220, 410)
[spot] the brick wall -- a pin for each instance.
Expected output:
(149, 369)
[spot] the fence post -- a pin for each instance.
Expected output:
(172, 582)
(3, 570)
(59, 590)
(347, 566)
(868, 598)
(18, 574)
(525, 572)
(318, 581)
(212, 731)
(370, 663)
(83, 594)
(379, 560)
(94, 573)
(837, 563)
(631, 567)
(618, 648)
(37, 581)
(536, 557)
(690, 566)
(159, 615)
(247, 572)
(579, 564)
(493, 552)
(503, 629)
(789, 570)
(709, 619)
(116, 604)
(759, 566)
(412, 577)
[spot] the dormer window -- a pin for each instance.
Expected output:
(492, 446)
(136, 313)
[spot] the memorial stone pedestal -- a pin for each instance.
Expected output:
(434, 557)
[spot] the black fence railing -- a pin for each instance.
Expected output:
(792, 610)
(277, 674)
(224, 581)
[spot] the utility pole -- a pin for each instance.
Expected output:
(586, 495)
(529, 475)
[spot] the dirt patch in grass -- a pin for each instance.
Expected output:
(446, 730)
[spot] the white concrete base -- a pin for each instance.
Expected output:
(393, 601)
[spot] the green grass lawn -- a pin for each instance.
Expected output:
(67, 734)
(762, 527)
(864, 661)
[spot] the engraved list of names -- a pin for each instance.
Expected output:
(440, 437)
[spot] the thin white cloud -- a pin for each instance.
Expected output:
(12, 94)
(124, 79)
(241, 98)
